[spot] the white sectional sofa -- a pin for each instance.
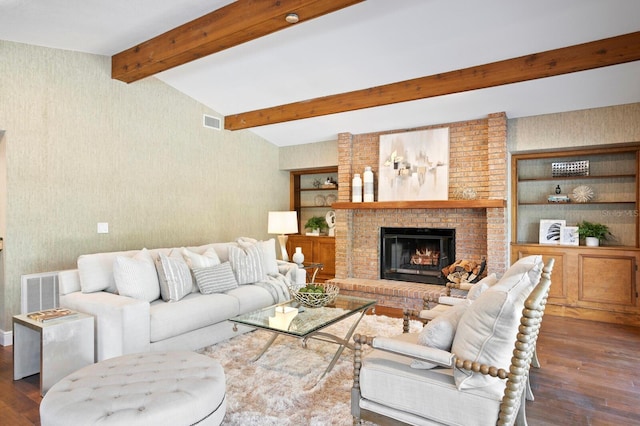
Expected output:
(175, 298)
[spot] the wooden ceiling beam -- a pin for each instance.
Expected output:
(582, 57)
(229, 26)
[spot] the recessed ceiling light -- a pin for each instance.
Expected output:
(292, 18)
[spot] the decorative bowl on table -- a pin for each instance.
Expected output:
(315, 295)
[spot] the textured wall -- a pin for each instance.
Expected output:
(82, 148)
(597, 126)
(310, 155)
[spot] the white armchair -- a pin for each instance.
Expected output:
(477, 377)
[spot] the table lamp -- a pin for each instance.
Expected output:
(283, 223)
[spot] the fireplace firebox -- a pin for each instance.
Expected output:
(416, 254)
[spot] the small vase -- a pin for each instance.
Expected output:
(298, 257)
(592, 241)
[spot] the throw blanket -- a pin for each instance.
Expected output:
(277, 286)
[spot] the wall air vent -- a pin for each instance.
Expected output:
(211, 122)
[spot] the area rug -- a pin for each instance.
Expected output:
(284, 386)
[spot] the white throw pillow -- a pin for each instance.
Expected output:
(487, 330)
(136, 276)
(267, 251)
(246, 264)
(215, 279)
(478, 288)
(195, 260)
(174, 277)
(440, 331)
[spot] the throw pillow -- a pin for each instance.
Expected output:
(215, 279)
(478, 288)
(267, 251)
(246, 264)
(136, 276)
(195, 260)
(440, 331)
(174, 277)
(487, 332)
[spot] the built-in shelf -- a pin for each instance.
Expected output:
(437, 204)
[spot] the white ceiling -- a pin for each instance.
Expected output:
(372, 43)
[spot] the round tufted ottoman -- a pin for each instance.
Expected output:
(153, 388)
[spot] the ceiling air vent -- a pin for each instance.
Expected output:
(211, 122)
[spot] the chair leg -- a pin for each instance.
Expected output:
(529, 392)
(535, 362)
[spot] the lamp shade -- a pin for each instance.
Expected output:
(283, 222)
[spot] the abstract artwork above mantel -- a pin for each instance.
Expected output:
(414, 166)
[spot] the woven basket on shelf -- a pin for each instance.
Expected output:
(316, 300)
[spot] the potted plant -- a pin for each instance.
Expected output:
(316, 223)
(593, 232)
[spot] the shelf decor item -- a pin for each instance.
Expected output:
(593, 233)
(315, 295)
(316, 224)
(582, 194)
(298, 256)
(570, 168)
(569, 235)
(550, 230)
(356, 189)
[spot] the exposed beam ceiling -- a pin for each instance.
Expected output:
(229, 26)
(582, 57)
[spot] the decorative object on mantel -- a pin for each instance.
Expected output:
(465, 194)
(298, 256)
(368, 185)
(582, 194)
(593, 233)
(356, 189)
(570, 168)
(414, 166)
(316, 224)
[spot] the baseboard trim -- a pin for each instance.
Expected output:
(6, 338)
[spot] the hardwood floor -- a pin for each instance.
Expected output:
(590, 375)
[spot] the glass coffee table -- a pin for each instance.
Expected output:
(290, 319)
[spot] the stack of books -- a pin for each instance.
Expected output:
(51, 314)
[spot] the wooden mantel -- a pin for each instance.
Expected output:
(437, 204)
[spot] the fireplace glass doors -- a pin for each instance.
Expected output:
(416, 254)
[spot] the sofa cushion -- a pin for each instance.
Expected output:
(174, 277)
(215, 279)
(246, 263)
(96, 271)
(136, 276)
(487, 331)
(439, 332)
(194, 311)
(267, 253)
(196, 260)
(251, 297)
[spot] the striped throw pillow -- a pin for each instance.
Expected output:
(215, 279)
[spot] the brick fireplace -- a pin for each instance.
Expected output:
(478, 161)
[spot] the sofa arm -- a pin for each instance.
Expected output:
(122, 323)
(421, 352)
(297, 276)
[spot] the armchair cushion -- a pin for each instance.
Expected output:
(478, 288)
(390, 386)
(439, 332)
(486, 330)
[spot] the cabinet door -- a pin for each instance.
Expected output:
(607, 280)
(305, 243)
(326, 254)
(558, 293)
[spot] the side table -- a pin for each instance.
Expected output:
(54, 348)
(315, 266)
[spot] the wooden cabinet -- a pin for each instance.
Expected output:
(318, 250)
(596, 283)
